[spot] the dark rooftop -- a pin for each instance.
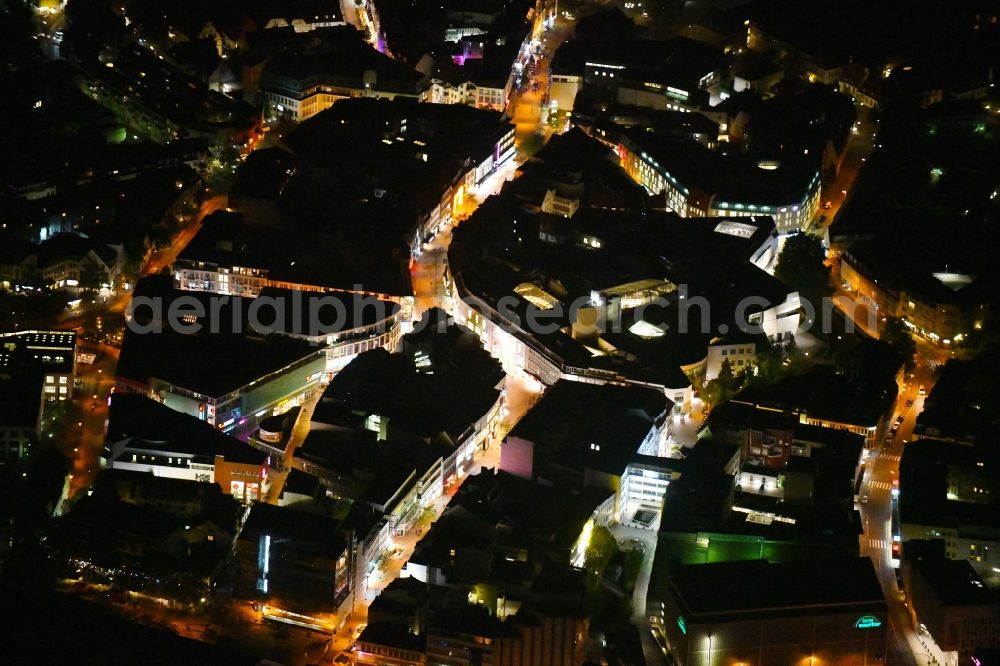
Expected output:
(926, 471)
(342, 58)
(730, 591)
(510, 258)
(308, 531)
(364, 248)
(732, 178)
(152, 425)
(825, 393)
(954, 582)
(421, 404)
(25, 358)
(572, 418)
(964, 403)
(214, 360)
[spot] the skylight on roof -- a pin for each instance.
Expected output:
(535, 295)
(760, 518)
(738, 229)
(645, 330)
(954, 281)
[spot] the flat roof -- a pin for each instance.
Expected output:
(342, 58)
(419, 403)
(222, 357)
(954, 582)
(924, 472)
(148, 424)
(953, 409)
(731, 178)
(826, 393)
(303, 530)
(572, 418)
(25, 358)
(496, 510)
(503, 252)
(364, 247)
(755, 589)
(711, 453)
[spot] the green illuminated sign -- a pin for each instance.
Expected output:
(682, 624)
(868, 622)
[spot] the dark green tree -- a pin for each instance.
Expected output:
(722, 388)
(895, 333)
(801, 266)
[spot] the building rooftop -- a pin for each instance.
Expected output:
(729, 178)
(581, 426)
(826, 393)
(220, 357)
(578, 167)
(506, 256)
(354, 130)
(342, 58)
(191, 500)
(755, 589)
(421, 404)
(149, 425)
(936, 481)
(301, 483)
(700, 500)
(964, 403)
(391, 635)
(337, 256)
(711, 454)
(954, 582)
(378, 472)
(25, 358)
(308, 531)
(680, 62)
(496, 512)
(738, 415)
(264, 174)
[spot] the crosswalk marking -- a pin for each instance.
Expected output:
(895, 457)
(880, 485)
(876, 544)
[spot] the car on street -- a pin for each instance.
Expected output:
(864, 499)
(899, 419)
(922, 390)
(909, 402)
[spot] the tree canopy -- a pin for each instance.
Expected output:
(801, 266)
(895, 333)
